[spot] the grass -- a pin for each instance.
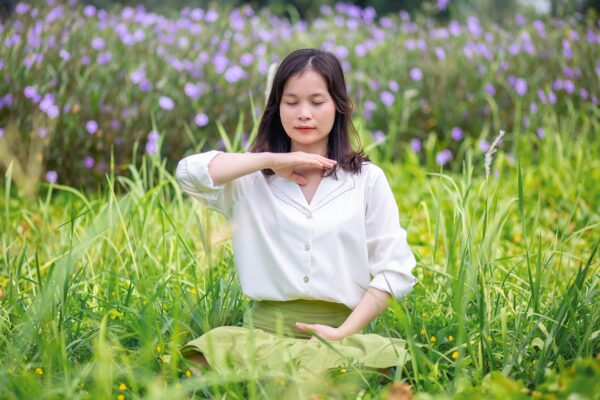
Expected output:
(97, 288)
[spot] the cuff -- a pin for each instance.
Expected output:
(396, 284)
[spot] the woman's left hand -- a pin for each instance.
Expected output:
(324, 331)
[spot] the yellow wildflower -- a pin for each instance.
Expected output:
(188, 373)
(455, 355)
(121, 396)
(433, 339)
(122, 387)
(39, 371)
(158, 349)
(451, 338)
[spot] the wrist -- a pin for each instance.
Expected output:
(267, 160)
(346, 330)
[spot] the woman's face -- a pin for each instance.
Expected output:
(307, 112)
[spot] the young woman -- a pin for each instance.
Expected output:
(316, 236)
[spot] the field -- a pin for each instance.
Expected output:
(107, 270)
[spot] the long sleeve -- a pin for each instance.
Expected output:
(194, 179)
(390, 259)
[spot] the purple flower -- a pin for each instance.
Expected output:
(542, 96)
(442, 5)
(201, 119)
(145, 85)
(234, 74)
(85, 60)
(91, 126)
(440, 53)
(520, 86)
(211, 16)
(1, 132)
(104, 58)
(533, 108)
(393, 85)
(166, 103)
(378, 136)
(484, 146)
(443, 157)
(490, 89)
(220, 62)
(520, 20)
(416, 74)
(21, 8)
(64, 55)
(415, 144)
(246, 59)
(473, 26)
(360, 50)
(137, 76)
(88, 162)
(152, 142)
(370, 106)
(456, 133)
(569, 86)
(51, 176)
(89, 11)
(387, 98)
(42, 132)
(98, 43)
(552, 97)
(584, 94)
(192, 91)
(540, 133)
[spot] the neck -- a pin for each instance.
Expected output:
(314, 149)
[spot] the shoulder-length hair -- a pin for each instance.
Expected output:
(271, 136)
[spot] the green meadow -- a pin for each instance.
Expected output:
(98, 288)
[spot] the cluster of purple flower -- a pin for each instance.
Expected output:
(500, 63)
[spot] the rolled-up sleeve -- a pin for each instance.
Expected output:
(194, 179)
(390, 259)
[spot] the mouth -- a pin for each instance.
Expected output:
(304, 128)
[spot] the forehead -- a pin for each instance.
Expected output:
(308, 82)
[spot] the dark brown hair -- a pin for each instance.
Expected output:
(271, 136)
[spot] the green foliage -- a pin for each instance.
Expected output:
(98, 289)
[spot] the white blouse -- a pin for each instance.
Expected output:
(348, 237)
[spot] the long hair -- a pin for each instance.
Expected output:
(271, 136)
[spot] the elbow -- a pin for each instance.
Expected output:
(181, 172)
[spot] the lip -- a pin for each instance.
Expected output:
(304, 128)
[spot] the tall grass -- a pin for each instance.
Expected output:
(97, 289)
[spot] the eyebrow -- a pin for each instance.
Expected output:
(318, 94)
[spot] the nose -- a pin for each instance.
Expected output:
(304, 113)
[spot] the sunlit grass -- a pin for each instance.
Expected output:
(98, 288)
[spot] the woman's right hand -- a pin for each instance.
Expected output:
(287, 164)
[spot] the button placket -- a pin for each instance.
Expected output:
(307, 246)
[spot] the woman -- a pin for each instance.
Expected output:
(316, 235)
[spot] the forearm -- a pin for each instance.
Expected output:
(226, 167)
(370, 306)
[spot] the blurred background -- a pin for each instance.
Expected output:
(90, 87)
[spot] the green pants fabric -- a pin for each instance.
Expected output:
(269, 341)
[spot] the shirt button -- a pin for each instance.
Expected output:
(307, 247)
(305, 279)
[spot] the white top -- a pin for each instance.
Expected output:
(348, 237)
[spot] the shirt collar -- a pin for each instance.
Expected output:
(329, 188)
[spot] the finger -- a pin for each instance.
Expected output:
(299, 179)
